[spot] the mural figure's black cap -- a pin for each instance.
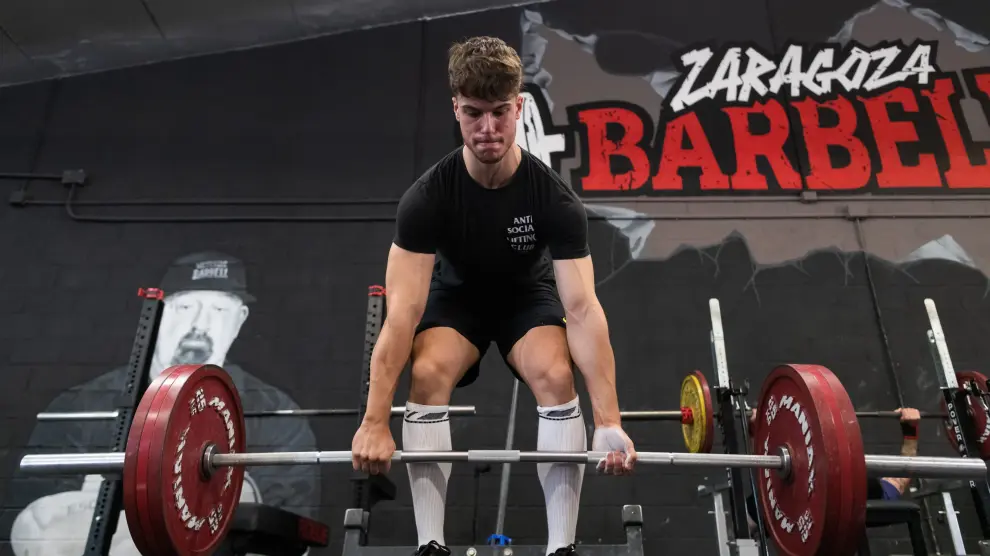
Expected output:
(207, 271)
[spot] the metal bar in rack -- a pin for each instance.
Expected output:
(110, 500)
(503, 488)
(111, 415)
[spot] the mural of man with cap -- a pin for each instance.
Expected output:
(206, 304)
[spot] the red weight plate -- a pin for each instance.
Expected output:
(147, 497)
(134, 481)
(981, 421)
(193, 513)
(130, 479)
(850, 440)
(803, 511)
(709, 413)
(158, 463)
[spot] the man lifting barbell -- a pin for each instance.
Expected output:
(877, 488)
(468, 266)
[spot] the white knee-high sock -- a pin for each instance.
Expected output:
(427, 428)
(561, 430)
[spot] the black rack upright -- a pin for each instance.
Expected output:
(109, 503)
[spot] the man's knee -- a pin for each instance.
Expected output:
(433, 381)
(552, 384)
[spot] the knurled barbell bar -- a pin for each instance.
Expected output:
(683, 415)
(111, 415)
(183, 468)
(113, 462)
(894, 414)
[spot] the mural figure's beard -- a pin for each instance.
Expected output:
(194, 348)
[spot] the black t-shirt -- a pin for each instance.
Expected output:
(504, 237)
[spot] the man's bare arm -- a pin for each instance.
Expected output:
(587, 336)
(910, 418)
(407, 285)
(909, 447)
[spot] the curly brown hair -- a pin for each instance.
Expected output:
(485, 68)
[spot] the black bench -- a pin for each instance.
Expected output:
(261, 529)
(884, 513)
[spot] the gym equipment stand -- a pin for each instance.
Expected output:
(956, 400)
(498, 538)
(109, 502)
(369, 489)
(961, 422)
(731, 404)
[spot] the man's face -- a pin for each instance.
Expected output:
(198, 327)
(488, 128)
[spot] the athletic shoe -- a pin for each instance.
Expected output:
(434, 549)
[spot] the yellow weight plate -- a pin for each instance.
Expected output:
(698, 427)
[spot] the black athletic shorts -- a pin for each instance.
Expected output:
(483, 319)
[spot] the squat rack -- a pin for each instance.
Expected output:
(109, 502)
(732, 404)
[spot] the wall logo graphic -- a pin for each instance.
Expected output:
(827, 117)
(216, 270)
(521, 235)
(743, 75)
(536, 137)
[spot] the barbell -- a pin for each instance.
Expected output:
(683, 415)
(328, 412)
(645, 415)
(183, 465)
(894, 414)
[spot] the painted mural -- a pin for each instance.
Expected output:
(207, 303)
(856, 99)
(894, 98)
